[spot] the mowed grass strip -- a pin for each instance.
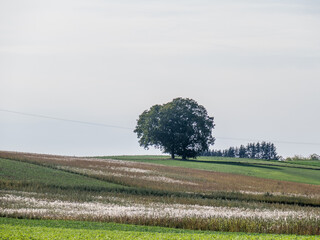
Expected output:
(315, 163)
(50, 229)
(15, 171)
(250, 167)
(310, 164)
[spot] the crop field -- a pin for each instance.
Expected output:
(141, 191)
(24, 172)
(44, 229)
(295, 171)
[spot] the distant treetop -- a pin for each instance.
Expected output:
(263, 150)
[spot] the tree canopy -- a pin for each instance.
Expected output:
(181, 127)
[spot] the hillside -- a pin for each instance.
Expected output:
(154, 190)
(295, 171)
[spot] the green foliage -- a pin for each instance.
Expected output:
(297, 158)
(314, 157)
(40, 229)
(263, 150)
(180, 127)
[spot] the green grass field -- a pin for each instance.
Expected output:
(296, 172)
(58, 229)
(15, 171)
(315, 163)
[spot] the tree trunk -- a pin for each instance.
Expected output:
(172, 155)
(184, 157)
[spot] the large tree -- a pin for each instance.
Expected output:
(181, 127)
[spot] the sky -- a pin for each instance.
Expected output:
(253, 64)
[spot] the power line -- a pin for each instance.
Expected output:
(127, 128)
(276, 141)
(65, 120)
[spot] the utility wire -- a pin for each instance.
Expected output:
(65, 120)
(127, 128)
(276, 141)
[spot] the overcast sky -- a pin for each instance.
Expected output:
(254, 65)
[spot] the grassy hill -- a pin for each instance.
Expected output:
(295, 171)
(215, 194)
(30, 174)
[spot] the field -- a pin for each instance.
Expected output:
(33, 174)
(45, 229)
(296, 171)
(315, 163)
(207, 194)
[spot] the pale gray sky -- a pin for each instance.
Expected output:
(254, 65)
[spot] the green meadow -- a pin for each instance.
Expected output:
(58, 229)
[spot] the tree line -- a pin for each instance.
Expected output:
(263, 150)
